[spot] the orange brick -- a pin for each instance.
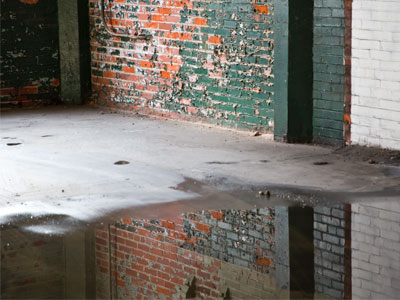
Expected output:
(142, 261)
(114, 22)
(158, 18)
(217, 215)
(168, 224)
(186, 37)
(128, 69)
(55, 82)
(146, 64)
(164, 10)
(164, 291)
(262, 9)
(347, 118)
(109, 74)
(156, 251)
(214, 39)
(29, 1)
(151, 25)
(170, 255)
(120, 282)
(28, 90)
(166, 75)
(203, 227)
(200, 21)
(263, 261)
(175, 35)
(144, 277)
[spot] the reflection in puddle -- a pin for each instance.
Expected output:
(32, 265)
(342, 251)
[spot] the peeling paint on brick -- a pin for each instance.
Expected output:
(208, 59)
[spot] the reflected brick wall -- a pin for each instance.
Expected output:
(32, 265)
(375, 250)
(329, 251)
(155, 258)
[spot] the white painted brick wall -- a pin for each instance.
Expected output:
(376, 73)
(375, 232)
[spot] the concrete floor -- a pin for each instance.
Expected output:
(65, 164)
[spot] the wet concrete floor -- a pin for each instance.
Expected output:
(85, 162)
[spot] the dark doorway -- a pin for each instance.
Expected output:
(300, 68)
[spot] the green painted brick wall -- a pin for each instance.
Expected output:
(328, 69)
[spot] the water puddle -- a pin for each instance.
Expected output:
(223, 245)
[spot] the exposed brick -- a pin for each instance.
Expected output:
(197, 65)
(200, 21)
(261, 9)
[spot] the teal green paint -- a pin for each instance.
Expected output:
(328, 90)
(242, 97)
(281, 52)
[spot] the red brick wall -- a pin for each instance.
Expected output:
(145, 267)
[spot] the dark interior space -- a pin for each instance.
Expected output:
(30, 70)
(84, 50)
(300, 65)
